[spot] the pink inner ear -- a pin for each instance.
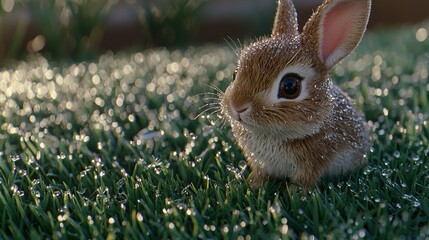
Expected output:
(336, 26)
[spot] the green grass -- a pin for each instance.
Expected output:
(111, 149)
(81, 29)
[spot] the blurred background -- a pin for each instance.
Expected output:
(84, 28)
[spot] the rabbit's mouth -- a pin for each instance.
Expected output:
(253, 121)
(240, 114)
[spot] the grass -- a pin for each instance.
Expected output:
(110, 149)
(82, 29)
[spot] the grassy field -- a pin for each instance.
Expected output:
(112, 149)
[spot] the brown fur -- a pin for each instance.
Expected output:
(286, 12)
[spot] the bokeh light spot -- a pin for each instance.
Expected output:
(37, 44)
(8, 5)
(421, 34)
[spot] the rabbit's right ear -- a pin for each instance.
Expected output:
(286, 21)
(336, 28)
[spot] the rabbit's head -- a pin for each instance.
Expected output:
(282, 83)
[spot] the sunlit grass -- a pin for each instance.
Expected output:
(112, 148)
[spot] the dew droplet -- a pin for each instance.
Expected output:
(386, 172)
(36, 193)
(396, 154)
(15, 158)
(242, 164)
(146, 135)
(14, 188)
(139, 217)
(416, 203)
(22, 172)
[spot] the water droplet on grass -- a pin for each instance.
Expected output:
(396, 154)
(22, 172)
(36, 193)
(14, 188)
(242, 164)
(62, 156)
(367, 170)
(139, 217)
(386, 172)
(416, 203)
(35, 182)
(207, 130)
(15, 158)
(145, 135)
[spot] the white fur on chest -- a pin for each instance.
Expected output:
(270, 154)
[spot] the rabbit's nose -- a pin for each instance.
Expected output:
(237, 114)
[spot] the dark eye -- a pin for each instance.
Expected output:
(290, 86)
(234, 75)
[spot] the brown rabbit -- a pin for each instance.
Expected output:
(286, 114)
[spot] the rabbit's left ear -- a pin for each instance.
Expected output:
(336, 28)
(286, 21)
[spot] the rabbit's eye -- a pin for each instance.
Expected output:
(290, 86)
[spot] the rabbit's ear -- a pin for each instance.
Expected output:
(336, 28)
(286, 20)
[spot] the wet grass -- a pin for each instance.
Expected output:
(111, 148)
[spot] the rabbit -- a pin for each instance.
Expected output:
(288, 118)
